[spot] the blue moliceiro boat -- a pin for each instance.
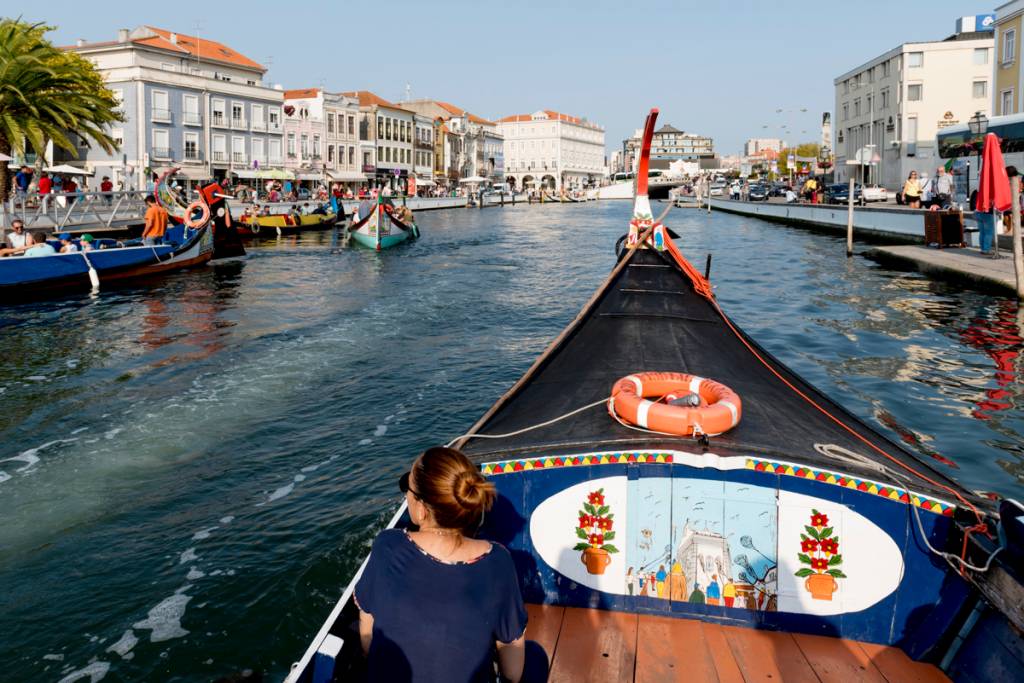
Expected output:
(797, 544)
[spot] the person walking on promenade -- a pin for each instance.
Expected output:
(912, 191)
(22, 180)
(156, 223)
(107, 188)
(44, 189)
(943, 188)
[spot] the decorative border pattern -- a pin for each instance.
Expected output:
(710, 460)
(507, 466)
(864, 486)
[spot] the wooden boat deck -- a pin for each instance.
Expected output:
(601, 646)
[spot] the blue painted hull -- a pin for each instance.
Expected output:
(386, 241)
(43, 270)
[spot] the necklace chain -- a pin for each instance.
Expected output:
(441, 532)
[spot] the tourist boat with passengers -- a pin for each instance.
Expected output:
(284, 223)
(679, 505)
(193, 240)
(385, 226)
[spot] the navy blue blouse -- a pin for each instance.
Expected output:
(434, 621)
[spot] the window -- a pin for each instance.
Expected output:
(911, 135)
(220, 148)
(118, 135)
(914, 92)
(885, 99)
(1009, 46)
(330, 151)
(981, 55)
(366, 159)
(871, 75)
(192, 146)
(257, 150)
(915, 60)
(846, 86)
(856, 107)
(980, 89)
(351, 125)
(291, 145)
(238, 150)
(237, 114)
(380, 127)
(316, 146)
(330, 124)
(387, 129)
(274, 146)
(274, 118)
(161, 143)
(351, 153)
(258, 122)
(1006, 102)
(218, 108)
(886, 65)
(161, 106)
(304, 146)
(190, 107)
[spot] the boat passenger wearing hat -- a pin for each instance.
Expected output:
(66, 245)
(86, 242)
(436, 604)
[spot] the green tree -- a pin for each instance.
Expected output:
(47, 94)
(804, 149)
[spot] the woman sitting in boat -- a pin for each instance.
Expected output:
(403, 214)
(435, 604)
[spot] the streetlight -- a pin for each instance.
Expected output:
(978, 125)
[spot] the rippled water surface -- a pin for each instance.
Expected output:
(191, 471)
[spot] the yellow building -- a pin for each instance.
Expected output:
(1006, 71)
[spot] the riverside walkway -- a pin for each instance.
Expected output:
(966, 266)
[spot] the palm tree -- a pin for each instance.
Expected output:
(48, 94)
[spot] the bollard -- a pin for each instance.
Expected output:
(1018, 249)
(849, 219)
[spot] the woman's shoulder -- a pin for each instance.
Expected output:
(388, 538)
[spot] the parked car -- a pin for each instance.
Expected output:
(758, 193)
(717, 190)
(778, 189)
(875, 193)
(839, 193)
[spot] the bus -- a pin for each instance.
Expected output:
(958, 144)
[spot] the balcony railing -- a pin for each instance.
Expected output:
(222, 157)
(238, 123)
(239, 157)
(162, 115)
(193, 155)
(192, 118)
(274, 126)
(259, 125)
(162, 153)
(218, 119)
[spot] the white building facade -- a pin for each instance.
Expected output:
(187, 102)
(549, 149)
(890, 108)
(320, 137)
(756, 146)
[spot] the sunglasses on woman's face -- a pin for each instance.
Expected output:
(403, 485)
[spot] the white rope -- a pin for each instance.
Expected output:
(526, 429)
(949, 557)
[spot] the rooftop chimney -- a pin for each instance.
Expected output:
(122, 35)
(174, 38)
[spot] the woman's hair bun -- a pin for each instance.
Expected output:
(453, 487)
(472, 491)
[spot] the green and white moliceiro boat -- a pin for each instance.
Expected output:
(383, 229)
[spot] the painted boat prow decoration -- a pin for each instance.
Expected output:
(801, 518)
(381, 229)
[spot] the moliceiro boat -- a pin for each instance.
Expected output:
(189, 242)
(281, 223)
(385, 226)
(679, 505)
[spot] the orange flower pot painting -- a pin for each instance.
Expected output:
(820, 554)
(594, 531)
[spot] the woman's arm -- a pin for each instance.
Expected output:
(510, 658)
(365, 630)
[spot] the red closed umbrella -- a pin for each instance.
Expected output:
(994, 187)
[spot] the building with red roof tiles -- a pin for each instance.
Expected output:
(189, 102)
(552, 150)
(470, 145)
(321, 139)
(388, 131)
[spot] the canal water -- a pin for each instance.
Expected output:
(191, 471)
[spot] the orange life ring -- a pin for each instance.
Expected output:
(719, 411)
(202, 220)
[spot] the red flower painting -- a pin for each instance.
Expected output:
(596, 497)
(595, 524)
(819, 553)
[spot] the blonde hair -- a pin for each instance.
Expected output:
(452, 487)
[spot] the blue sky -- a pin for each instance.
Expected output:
(720, 69)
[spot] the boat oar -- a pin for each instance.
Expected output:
(94, 277)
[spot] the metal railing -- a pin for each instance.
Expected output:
(239, 157)
(259, 125)
(239, 123)
(57, 211)
(162, 115)
(193, 155)
(162, 153)
(218, 119)
(220, 156)
(274, 125)
(192, 118)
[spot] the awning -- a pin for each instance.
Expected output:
(274, 174)
(247, 173)
(425, 182)
(184, 172)
(67, 169)
(474, 179)
(309, 176)
(346, 176)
